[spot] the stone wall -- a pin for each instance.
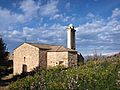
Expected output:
(80, 57)
(10, 56)
(57, 58)
(72, 59)
(25, 54)
(43, 59)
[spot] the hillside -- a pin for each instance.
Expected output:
(109, 58)
(99, 74)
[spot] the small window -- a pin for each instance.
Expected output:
(56, 63)
(61, 62)
(24, 59)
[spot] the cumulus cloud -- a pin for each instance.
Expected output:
(7, 17)
(100, 34)
(30, 9)
(62, 17)
(54, 35)
(50, 8)
(116, 13)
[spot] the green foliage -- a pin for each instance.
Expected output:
(3, 61)
(3, 69)
(80, 63)
(91, 75)
(2, 51)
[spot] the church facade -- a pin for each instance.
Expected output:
(28, 56)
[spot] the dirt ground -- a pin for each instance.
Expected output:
(5, 81)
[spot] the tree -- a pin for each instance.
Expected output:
(2, 52)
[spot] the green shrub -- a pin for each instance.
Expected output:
(91, 75)
(3, 70)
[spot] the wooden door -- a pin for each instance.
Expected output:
(24, 68)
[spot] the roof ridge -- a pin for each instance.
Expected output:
(58, 48)
(32, 44)
(44, 44)
(49, 47)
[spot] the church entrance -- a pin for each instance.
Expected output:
(24, 68)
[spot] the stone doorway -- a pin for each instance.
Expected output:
(24, 68)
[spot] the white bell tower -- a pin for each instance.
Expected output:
(71, 37)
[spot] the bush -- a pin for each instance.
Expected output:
(91, 75)
(3, 70)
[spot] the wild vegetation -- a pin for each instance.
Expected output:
(3, 54)
(5, 64)
(92, 75)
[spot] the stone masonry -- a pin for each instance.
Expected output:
(25, 55)
(57, 58)
(29, 56)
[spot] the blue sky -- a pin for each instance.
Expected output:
(97, 23)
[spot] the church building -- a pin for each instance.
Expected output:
(28, 56)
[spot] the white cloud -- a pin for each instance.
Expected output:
(93, 27)
(57, 16)
(29, 6)
(56, 33)
(7, 17)
(90, 15)
(50, 8)
(42, 40)
(62, 17)
(109, 54)
(30, 9)
(116, 13)
(58, 26)
(104, 54)
(66, 18)
(97, 33)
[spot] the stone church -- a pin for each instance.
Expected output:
(28, 56)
